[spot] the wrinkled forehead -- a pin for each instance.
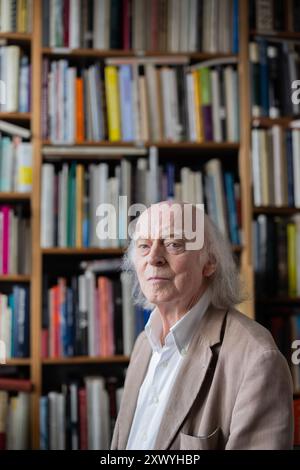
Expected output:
(164, 220)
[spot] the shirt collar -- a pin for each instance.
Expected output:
(181, 333)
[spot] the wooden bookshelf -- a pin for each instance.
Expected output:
(85, 360)
(178, 149)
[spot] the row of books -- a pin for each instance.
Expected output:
(284, 323)
(73, 197)
(155, 25)
(14, 420)
(274, 15)
(81, 416)
(15, 241)
(14, 322)
(15, 79)
(274, 67)
(90, 314)
(276, 247)
(276, 167)
(16, 16)
(131, 101)
(15, 165)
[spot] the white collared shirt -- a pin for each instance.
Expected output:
(162, 370)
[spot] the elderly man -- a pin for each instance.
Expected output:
(201, 375)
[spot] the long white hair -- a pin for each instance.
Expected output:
(225, 283)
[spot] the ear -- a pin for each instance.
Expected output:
(209, 268)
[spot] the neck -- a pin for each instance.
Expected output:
(171, 314)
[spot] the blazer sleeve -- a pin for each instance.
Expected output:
(263, 412)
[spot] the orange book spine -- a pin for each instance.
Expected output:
(79, 111)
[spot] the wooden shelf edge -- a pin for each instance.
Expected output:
(15, 361)
(15, 278)
(276, 210)
(85, 360)
(283, 121)
(83, 251)
(16, 116)
(171, 145)
(13, 195)
(84, 52)
(276, 34)
(14, 36)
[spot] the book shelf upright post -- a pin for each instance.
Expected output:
(36, 284)
(244, 156)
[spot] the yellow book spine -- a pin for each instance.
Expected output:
(198, 105)
(292, 256)
(113, 103)
(79, 204)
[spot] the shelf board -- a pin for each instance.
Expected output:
(15, 278)
(7, 196)
(276, 210)
(162, 144)
(277, 34)
(85, 360)
(16, 116)
(17, 361)
(18, 37)
(81, 52)
(283, 121)
(83, 251)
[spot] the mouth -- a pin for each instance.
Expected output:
(158, 278)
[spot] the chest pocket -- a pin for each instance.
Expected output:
(209, 442)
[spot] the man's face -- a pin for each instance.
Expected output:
(167, 272)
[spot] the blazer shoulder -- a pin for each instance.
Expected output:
(246, 330)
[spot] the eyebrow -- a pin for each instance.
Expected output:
(172, 235)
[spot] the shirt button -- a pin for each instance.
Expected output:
(144, 437)
(155, 400)
(183, 351)
(165, 364)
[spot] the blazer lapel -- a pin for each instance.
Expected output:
(190, 376)
(135, 377)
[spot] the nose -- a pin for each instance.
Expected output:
(156, 254)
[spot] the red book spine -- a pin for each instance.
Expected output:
(297, 422)
(83, 419)
(5, 212)
(126, 24)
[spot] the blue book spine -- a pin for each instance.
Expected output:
(170, 180)
(70, 330)
(235, 29)
(233, 224)
(13, 321)
(44, 423)
(125, 86)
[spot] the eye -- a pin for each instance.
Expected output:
(175, 246)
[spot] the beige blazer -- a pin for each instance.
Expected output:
(233, 390)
